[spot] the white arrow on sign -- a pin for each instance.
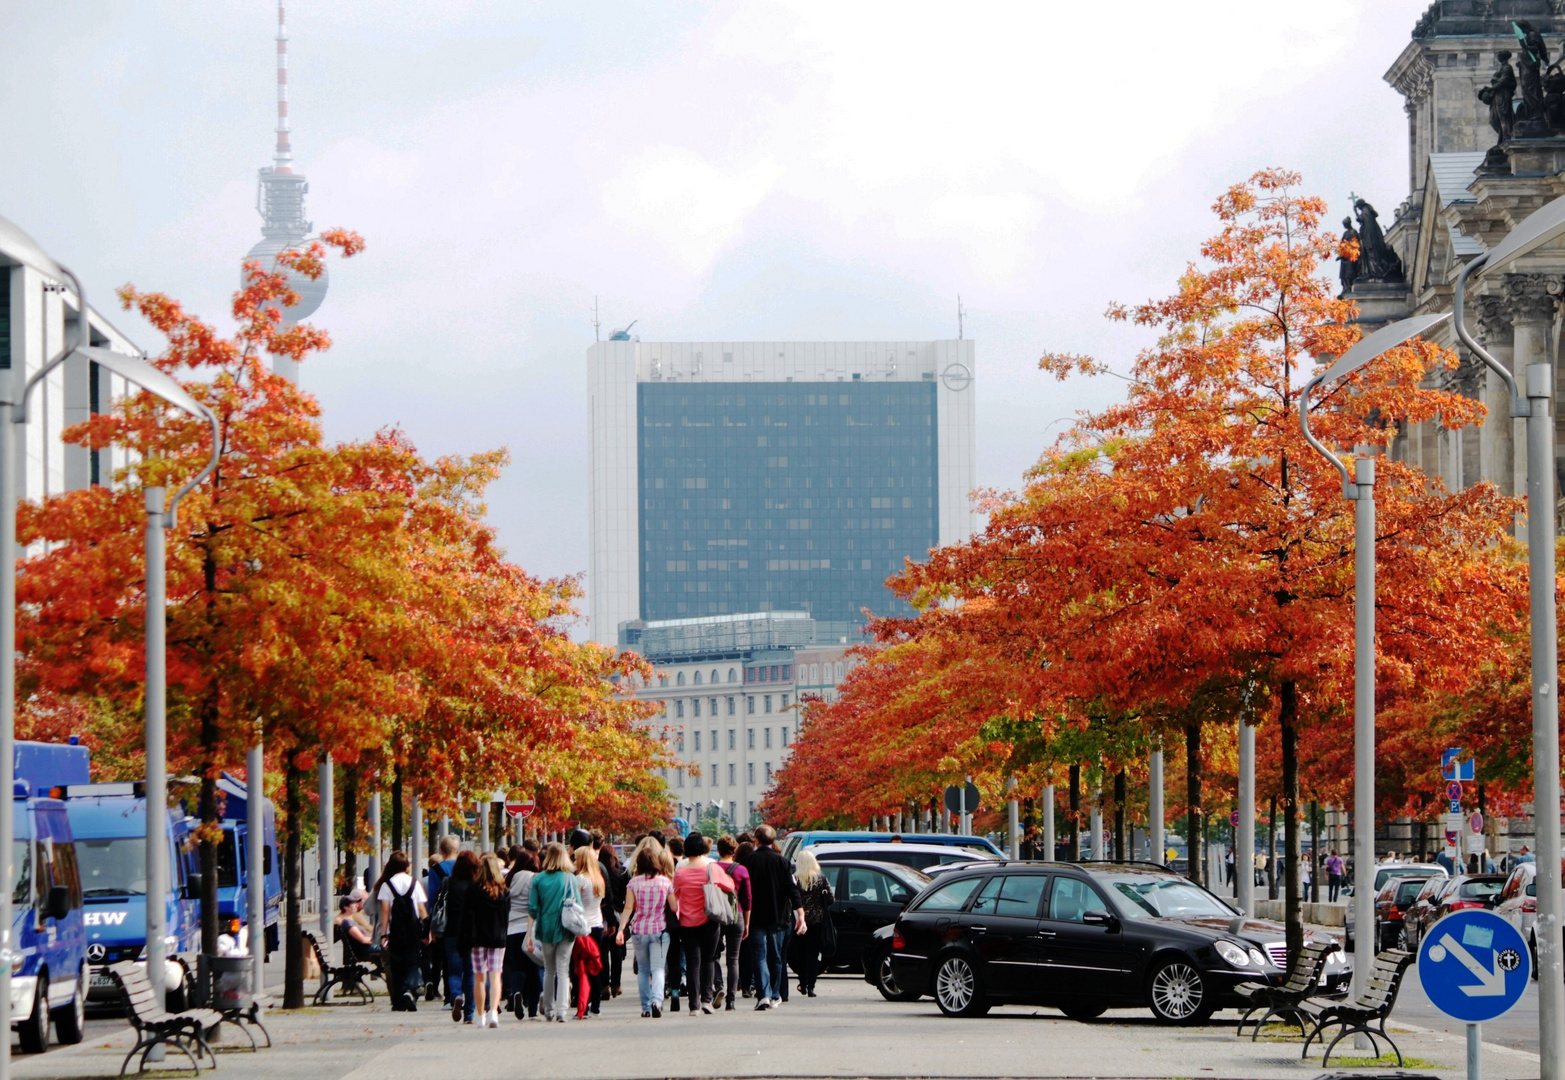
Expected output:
(1490, 983)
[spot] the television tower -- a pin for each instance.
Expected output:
(280, 198)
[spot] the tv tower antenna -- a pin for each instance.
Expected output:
(596, 322)
(283, 160)
(961, 316)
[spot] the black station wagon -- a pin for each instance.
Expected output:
(1084, 937)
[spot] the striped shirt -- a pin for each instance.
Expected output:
(651, 892)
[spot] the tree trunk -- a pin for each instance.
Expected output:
(1119, 816)
(1195, 829)
(1314, 852)
(1075, 813)
(293, 944)
(1293, 907)
(350, 825)
(1271, 850)
(396, 807)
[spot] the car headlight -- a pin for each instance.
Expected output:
(1233, 954)
(1256, 958)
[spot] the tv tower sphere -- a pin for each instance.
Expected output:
(280, 201)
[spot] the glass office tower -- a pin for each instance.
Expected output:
(744, 478)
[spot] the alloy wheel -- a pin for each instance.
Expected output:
(955, 985)
(1177, 991)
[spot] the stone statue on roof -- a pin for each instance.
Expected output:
(1499, 95)
(1377, 260)
(1533, 58)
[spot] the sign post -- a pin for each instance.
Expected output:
(1474, 967)
(964, 802)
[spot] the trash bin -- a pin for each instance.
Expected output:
(230, 982)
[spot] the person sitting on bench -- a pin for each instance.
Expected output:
(353, 930)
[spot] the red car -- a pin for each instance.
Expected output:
(1441, 896)
(1394, 897)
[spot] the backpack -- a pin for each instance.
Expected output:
(437, 911)
(404, 934)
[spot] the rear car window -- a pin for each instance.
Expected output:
(1481, 890)
(952, 896)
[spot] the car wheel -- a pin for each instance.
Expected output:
(69, 1021)
(886, 982)
(958, 989)
(1409, 942)
(1177, 993)
(34, 1031)
(1082, 1010)
(177, 998)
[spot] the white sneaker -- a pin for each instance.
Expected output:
(776, 1002)
(494, 1018)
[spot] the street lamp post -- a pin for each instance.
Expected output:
(159, 522)
(1360, 487)
(1537, 229)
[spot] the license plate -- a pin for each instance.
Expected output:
(101, 982)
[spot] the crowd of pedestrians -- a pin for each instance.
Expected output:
(542, 931)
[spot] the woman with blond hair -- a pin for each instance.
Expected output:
(817, 909)
(589, 879)
(647, 898)
(551, 887)
(484, 919)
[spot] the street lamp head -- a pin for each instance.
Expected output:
(16, 244)
(136, 370)
(1382, 340)
(1538, 228)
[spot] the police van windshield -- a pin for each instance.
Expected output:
(113, 867)
(22, 879)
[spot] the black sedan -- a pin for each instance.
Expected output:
(1084, 937)
(868, 895)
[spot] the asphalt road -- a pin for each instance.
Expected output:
(1517, 1029)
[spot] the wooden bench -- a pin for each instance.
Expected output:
(1286, 1001)
(1365, 1014)
(156, 1026)
(349, 978)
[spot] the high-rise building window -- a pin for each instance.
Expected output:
(679, 743)
(711, 704)
(768, 738)
(732, 737)
(768, 772)
(768, 703)
(785, 701)
(730, 706)
(695, 779)
(698, 742)
(750, 738)
(785, 736)
(730, 774)
(714, 739)
(679, 778)
(749, 703)
(731, 675)
(679, 679)
(695, 706)
(679, 709)
(749, 768)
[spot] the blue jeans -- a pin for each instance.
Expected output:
(770, 971)
(651, 965)
(459, 973)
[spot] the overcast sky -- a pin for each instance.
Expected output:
(757, 171)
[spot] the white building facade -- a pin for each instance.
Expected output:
(38, 317)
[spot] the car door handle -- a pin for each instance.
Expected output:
(1047, 933)
(850, 911)
(978, 929)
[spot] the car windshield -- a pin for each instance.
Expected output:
(21, 876)
(113, 867)
(1155, 898)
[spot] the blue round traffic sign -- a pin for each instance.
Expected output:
(1473, 966)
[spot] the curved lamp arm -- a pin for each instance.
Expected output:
(206, 471)
(1349, 488)
(1520, 406)
(83, 338)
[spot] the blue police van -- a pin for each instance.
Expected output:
(109, 822)
(49, 984)
(233, 877)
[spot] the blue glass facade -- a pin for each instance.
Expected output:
(783, 496)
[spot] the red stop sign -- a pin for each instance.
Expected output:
(521, 809)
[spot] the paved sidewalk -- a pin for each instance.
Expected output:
(847, 1031)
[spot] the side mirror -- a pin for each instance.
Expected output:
(59, 905)
(1099, 917)
(901, 898)
(193, 887)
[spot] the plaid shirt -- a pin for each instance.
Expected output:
(651, 892)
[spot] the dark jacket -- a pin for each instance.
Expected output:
(484, 919)
(457, 891)
(615, 881)
(774, 894)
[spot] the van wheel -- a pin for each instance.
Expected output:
(34, 1031)
(176, 999)
(69, 1020)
